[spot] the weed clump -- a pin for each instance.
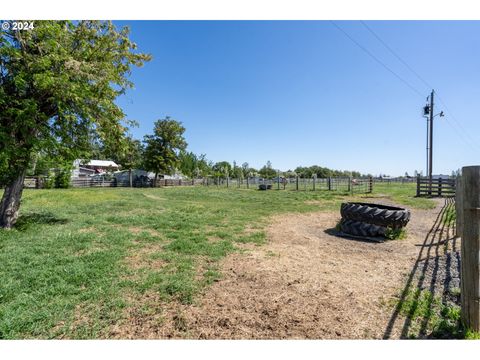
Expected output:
(395, 234)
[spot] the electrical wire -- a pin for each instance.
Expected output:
(466, 138)
(378, 60)
(466, 134)
(396, 55)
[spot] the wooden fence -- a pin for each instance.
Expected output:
(435, 187)
(467, 205)
(40, 182)
(179, 182)
(345, 184)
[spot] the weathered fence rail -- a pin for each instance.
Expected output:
(467, 205)
(435, 187)
(363, 185)
(40, 182)
(92, 183)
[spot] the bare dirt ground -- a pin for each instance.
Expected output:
(305, 283)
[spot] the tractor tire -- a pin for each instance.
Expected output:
(376, 214)
(359, 228)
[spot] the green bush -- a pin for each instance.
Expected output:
(49, 181)
(62, 179)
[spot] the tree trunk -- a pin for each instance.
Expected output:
(155, 181)
(130, 177)
(11, 202)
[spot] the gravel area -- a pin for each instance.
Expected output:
(442, 276)
(438, 269)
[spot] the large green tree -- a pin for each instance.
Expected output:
(267, 171)
(162, 149)
(222, 169)
(193, 165)
(58, 85)
(129, 155)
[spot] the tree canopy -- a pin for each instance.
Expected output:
(58, 86)
(193, 165)
(267, 171)
(58, 83)
(162, 149)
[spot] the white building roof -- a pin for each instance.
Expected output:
(102, 163)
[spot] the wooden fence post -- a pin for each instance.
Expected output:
(370, 184)
(329, 183)
(418, 185)
(297, 182)
(459, 207)
(470, 277)
(349, 188)
(314, 177)
(247, 183)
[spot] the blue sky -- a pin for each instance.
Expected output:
(302, 93)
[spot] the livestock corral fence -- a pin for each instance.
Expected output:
(362, 185)
(41, 182)
(435, 187)
(135, 183)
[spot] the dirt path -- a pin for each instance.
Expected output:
(304, 283)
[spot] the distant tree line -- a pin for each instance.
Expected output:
(323, 172)
(165, 153)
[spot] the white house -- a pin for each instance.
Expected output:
(83, 169)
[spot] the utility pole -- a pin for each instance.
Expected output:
(428, 110)
(430, 155)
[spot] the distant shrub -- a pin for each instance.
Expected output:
(49, 180)
(62, 179)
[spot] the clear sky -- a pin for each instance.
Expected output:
(300, 93)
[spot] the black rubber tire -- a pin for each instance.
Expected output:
(382, 215)
(359, 228)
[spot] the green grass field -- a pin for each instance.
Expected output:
(76, 255)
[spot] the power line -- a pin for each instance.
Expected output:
(466, 138)
(396, 55)
(378, 60)
(467, 135)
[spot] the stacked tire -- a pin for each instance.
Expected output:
(371, 220)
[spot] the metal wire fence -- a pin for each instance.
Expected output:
(344, 184)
